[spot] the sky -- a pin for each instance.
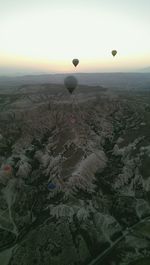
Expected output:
(43, 36)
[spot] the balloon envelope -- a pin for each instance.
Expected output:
(7, 168)
(114, 52)
(70, 83)
(75, 62)
(51, 186)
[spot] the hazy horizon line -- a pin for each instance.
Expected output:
(75, 73)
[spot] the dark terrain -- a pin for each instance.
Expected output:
(78, 192)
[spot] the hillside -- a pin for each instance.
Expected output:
(74, 176)
(111, 80)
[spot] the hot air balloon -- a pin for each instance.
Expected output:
(114, 52)
(70, 83)
(72, 119)
(51, 186)
(7, 168)
(75, 62)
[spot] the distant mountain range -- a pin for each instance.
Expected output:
(109, 80)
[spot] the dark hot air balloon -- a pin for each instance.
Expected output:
(51, 186)
(114, 52)
(70, 83)
(75, 62)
